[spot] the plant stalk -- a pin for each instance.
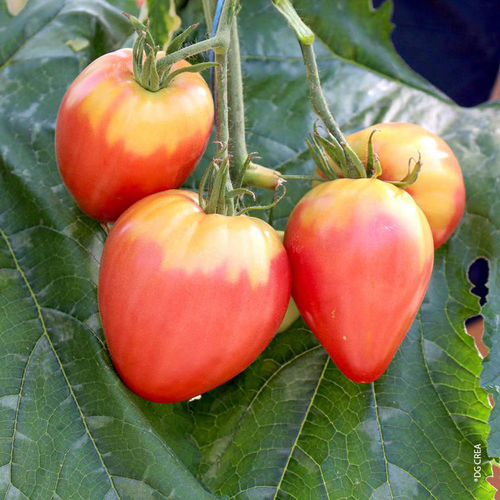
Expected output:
(208, 12)
(221, 99)
(222, 107)
(254, 175)
(306, 39)
(220, 42)
(237, 142)
(317, 97)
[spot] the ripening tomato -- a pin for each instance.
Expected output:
(291, 316)
(439, 190)
(117, 142)
(361, 254)
(189, 300)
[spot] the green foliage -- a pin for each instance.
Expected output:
(290, 426)
(164, 21)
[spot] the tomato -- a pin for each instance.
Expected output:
(117, 142)
(439, 190)
(189, 300)
(361, 254)
(291, 316)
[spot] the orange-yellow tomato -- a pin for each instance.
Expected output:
(439, 190)
(361, 254)
(189, 300)
(117, 142)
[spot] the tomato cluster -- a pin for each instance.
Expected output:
(190, 297)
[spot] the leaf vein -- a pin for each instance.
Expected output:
(61, 367)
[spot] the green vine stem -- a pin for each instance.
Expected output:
(237, 144)
(243, 170)
(208, 12)
(220, 42)
(227, 172)
(303, 32)
(221, 99)
(254, 175)
(306, 39)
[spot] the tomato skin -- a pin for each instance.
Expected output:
(361, 254)
(439, 190)
(189, 300)
(117, 142)
(291, 316)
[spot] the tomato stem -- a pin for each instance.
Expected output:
(320, 106)
(302, 31)
(230, 129)
(254, 175)
(305, 38)
(237, 141)
(208, 12)
(222, 118)
(304, 177)
(218, 43)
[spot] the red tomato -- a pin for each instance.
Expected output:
(117, 142)
(189, 300)
(361, 254)
(439, 190)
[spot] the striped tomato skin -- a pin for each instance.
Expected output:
(189, 300)
(117, 142)
(439, 190)
(361, 254)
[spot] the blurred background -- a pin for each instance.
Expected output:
(455, 44)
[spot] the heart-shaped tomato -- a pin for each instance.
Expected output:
(361, 253)
(189, 300)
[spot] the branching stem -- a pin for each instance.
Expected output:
(306, 39)
(218, 43)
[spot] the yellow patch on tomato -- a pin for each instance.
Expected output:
(148, 121)
(97, 103)
(199, 243)
(351, 203)
(143, 122)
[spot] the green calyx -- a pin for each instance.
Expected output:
(147, 71)
(325, 150)
(412, 174)
(216, 198)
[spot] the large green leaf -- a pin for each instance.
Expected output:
(290, 426)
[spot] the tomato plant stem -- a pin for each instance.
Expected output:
(208, 12)
(221, 100)
(237, 142)
(219, 42)
(318, 100)
(306, 40)
(254, 175)
(303, 32)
